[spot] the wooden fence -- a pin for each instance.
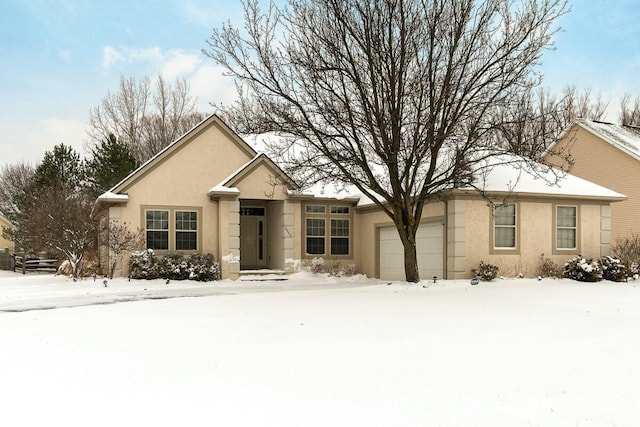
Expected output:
(27, 265)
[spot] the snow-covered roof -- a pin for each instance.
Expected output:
(504, 176)
(113, 197)
(625, 138)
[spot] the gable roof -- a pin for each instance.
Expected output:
(624, 137)
(227, 185)
(212, 120)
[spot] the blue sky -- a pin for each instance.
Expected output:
(59, 58)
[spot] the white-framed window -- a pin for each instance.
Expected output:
(315, 236)
(186, 230)
(172, 228)
(315, 209)
(327, 230)
(566, 227)
(339, 236)
(504, 236)
(157, 226)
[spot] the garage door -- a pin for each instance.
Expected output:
(429, 242)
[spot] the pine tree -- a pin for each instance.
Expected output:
(110, 162)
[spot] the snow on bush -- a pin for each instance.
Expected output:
(200, 267)
(486, 272)
(582, 269)
(613, 269)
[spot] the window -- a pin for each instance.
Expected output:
(328, 230)
(566, 227)
(186, 231)
(339, 237)
(315, 236)
(157, 225)
(319, 209)
(172, 228)
(505, 226)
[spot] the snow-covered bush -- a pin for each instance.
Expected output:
(582, 269)
(486, 272)
(200, 267)
(174, 267)
(144, 265)
(203, 268)
(547, 268)
(613, 269)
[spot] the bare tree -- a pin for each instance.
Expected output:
(629, 113)
(537, 117)
(118, 238)
(145, 118)
(584, 105)
(396, 97)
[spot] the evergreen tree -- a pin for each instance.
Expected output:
(110, 162)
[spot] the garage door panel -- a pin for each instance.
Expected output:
(429, 250)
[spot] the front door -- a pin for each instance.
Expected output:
(252, 238)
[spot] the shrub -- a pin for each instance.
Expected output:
(548, 268)
(203, 268)
(613, 269)
(486, 272)
(144, 265)
(627, 250)
(582, 269)
(317, 266)
(200, 267)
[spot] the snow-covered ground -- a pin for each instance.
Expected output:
(319, 352)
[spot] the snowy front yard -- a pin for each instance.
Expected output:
(319, 352)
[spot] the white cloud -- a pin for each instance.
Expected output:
(111, 56)
(150, 54)
(210, 86)
(179, 64)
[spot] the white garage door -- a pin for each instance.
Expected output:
(429, 242)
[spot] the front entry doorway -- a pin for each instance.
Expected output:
(252, 238)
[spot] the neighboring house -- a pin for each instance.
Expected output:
(210, 192)
(609, 155)
(4, 243)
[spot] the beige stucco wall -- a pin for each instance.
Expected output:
(534, 234)
(182, 180)
(4, 243)
(469, 230)
(367, 221)
(600, 162)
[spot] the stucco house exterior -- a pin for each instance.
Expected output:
(609, 155)
(211, 192)
(4, 243)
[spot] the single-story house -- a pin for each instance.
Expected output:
(609, 155)
(5, 243)
(211, 192)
